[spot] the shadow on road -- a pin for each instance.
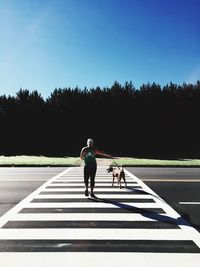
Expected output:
(144, 212)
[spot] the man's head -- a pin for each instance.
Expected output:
(90, 142)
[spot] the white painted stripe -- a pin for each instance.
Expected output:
(114, 189)
(99, 259)
(80, 217)
(101, 196)
(82, 177)
(104, 174)
(82, 184)
(100, 234)
(96, 180)
(90, 205)
(189, 203)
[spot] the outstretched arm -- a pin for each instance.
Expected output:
(102, 153)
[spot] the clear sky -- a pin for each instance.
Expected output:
(48, 44)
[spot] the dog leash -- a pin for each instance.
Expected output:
(116, 164)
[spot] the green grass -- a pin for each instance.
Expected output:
(158, 163)
(75, 161)
(38, 161)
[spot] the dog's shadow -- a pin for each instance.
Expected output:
(146, 213)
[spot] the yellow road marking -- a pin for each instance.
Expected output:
(189, 203)
(171, 180)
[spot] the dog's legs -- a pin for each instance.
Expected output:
(113, 180)
(124, 178)
(119, 181)
(125, 182)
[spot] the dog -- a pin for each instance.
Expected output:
(119, 174)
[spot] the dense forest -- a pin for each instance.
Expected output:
(151, 121)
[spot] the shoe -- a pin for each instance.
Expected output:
(92, 195)
(86, 193)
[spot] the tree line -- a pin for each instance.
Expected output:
(151, 121)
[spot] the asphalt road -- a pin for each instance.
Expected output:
(18, 183)
(55, 216)
(179, 187)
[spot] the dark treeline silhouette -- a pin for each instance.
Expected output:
(151, 121)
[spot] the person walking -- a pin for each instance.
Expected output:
(88, 154)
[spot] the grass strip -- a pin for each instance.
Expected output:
(142, 162)
(40, 161)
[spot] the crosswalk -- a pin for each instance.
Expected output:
(58, 224)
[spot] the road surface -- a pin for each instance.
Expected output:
(58, 225)
(179, 187)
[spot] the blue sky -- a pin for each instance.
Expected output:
(48, 44)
